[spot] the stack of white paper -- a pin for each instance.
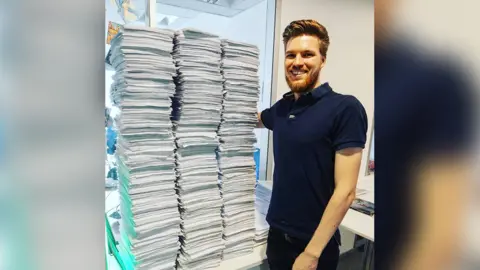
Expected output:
(197, 106)
(263, 193)
(144, 85)
(237, 139)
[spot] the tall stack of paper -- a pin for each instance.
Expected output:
(237, 166)
(263, 193)
(150, 225)
(196, 117)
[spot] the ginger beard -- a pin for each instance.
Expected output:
(303, 82)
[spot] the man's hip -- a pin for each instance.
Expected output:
(283, 249)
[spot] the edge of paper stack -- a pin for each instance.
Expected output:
(144, 86)
(237, 139)
(187, 103)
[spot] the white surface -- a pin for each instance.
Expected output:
(255, 258)
(357, 222)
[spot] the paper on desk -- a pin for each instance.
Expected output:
(211, 198)
(240, 219)
(202, 224)
(203, 233)
(197, 160)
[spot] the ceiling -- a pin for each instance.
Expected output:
(227, 8)
(170, 10)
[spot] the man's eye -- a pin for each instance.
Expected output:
(290, 56)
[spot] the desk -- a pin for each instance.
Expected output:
(357, 222)
(361, 224)
(256, 258)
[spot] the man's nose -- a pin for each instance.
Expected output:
(298, 60)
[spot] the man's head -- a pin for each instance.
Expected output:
(306, 45)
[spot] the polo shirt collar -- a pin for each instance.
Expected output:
(316, 93)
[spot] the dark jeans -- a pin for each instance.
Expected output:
(282, 250)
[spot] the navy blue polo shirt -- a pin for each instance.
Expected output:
(306, 134)
(422, 108)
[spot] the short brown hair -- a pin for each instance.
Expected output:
(308, 27)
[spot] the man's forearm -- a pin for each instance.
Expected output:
(336, 209)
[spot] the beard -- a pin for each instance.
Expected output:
(305, 85)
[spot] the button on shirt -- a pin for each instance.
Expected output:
(306, 134)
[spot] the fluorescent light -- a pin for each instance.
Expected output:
(210, 1)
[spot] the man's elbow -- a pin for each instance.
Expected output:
(346, 196)
(351, 197)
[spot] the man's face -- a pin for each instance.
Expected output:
(303, 63)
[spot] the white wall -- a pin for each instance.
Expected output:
(350, 58)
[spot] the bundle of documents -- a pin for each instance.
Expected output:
(196, 116)
(150, 224)
(263, 193)
(363, 206)
(237, 139)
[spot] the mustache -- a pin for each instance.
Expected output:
(297, 69)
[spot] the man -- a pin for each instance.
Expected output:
(318, 137)
(423, 135)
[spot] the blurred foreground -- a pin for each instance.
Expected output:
(426, 135)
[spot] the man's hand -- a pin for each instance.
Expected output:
(305, 261)
(259, 123)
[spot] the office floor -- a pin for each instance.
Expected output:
(350, 261)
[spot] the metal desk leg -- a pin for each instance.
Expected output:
(368, 256)
(371, 255)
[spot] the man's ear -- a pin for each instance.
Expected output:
(324, 60)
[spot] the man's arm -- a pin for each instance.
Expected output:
(347, 166)
(440, 198)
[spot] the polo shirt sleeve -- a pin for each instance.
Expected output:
(268, 116)
(350, 125)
